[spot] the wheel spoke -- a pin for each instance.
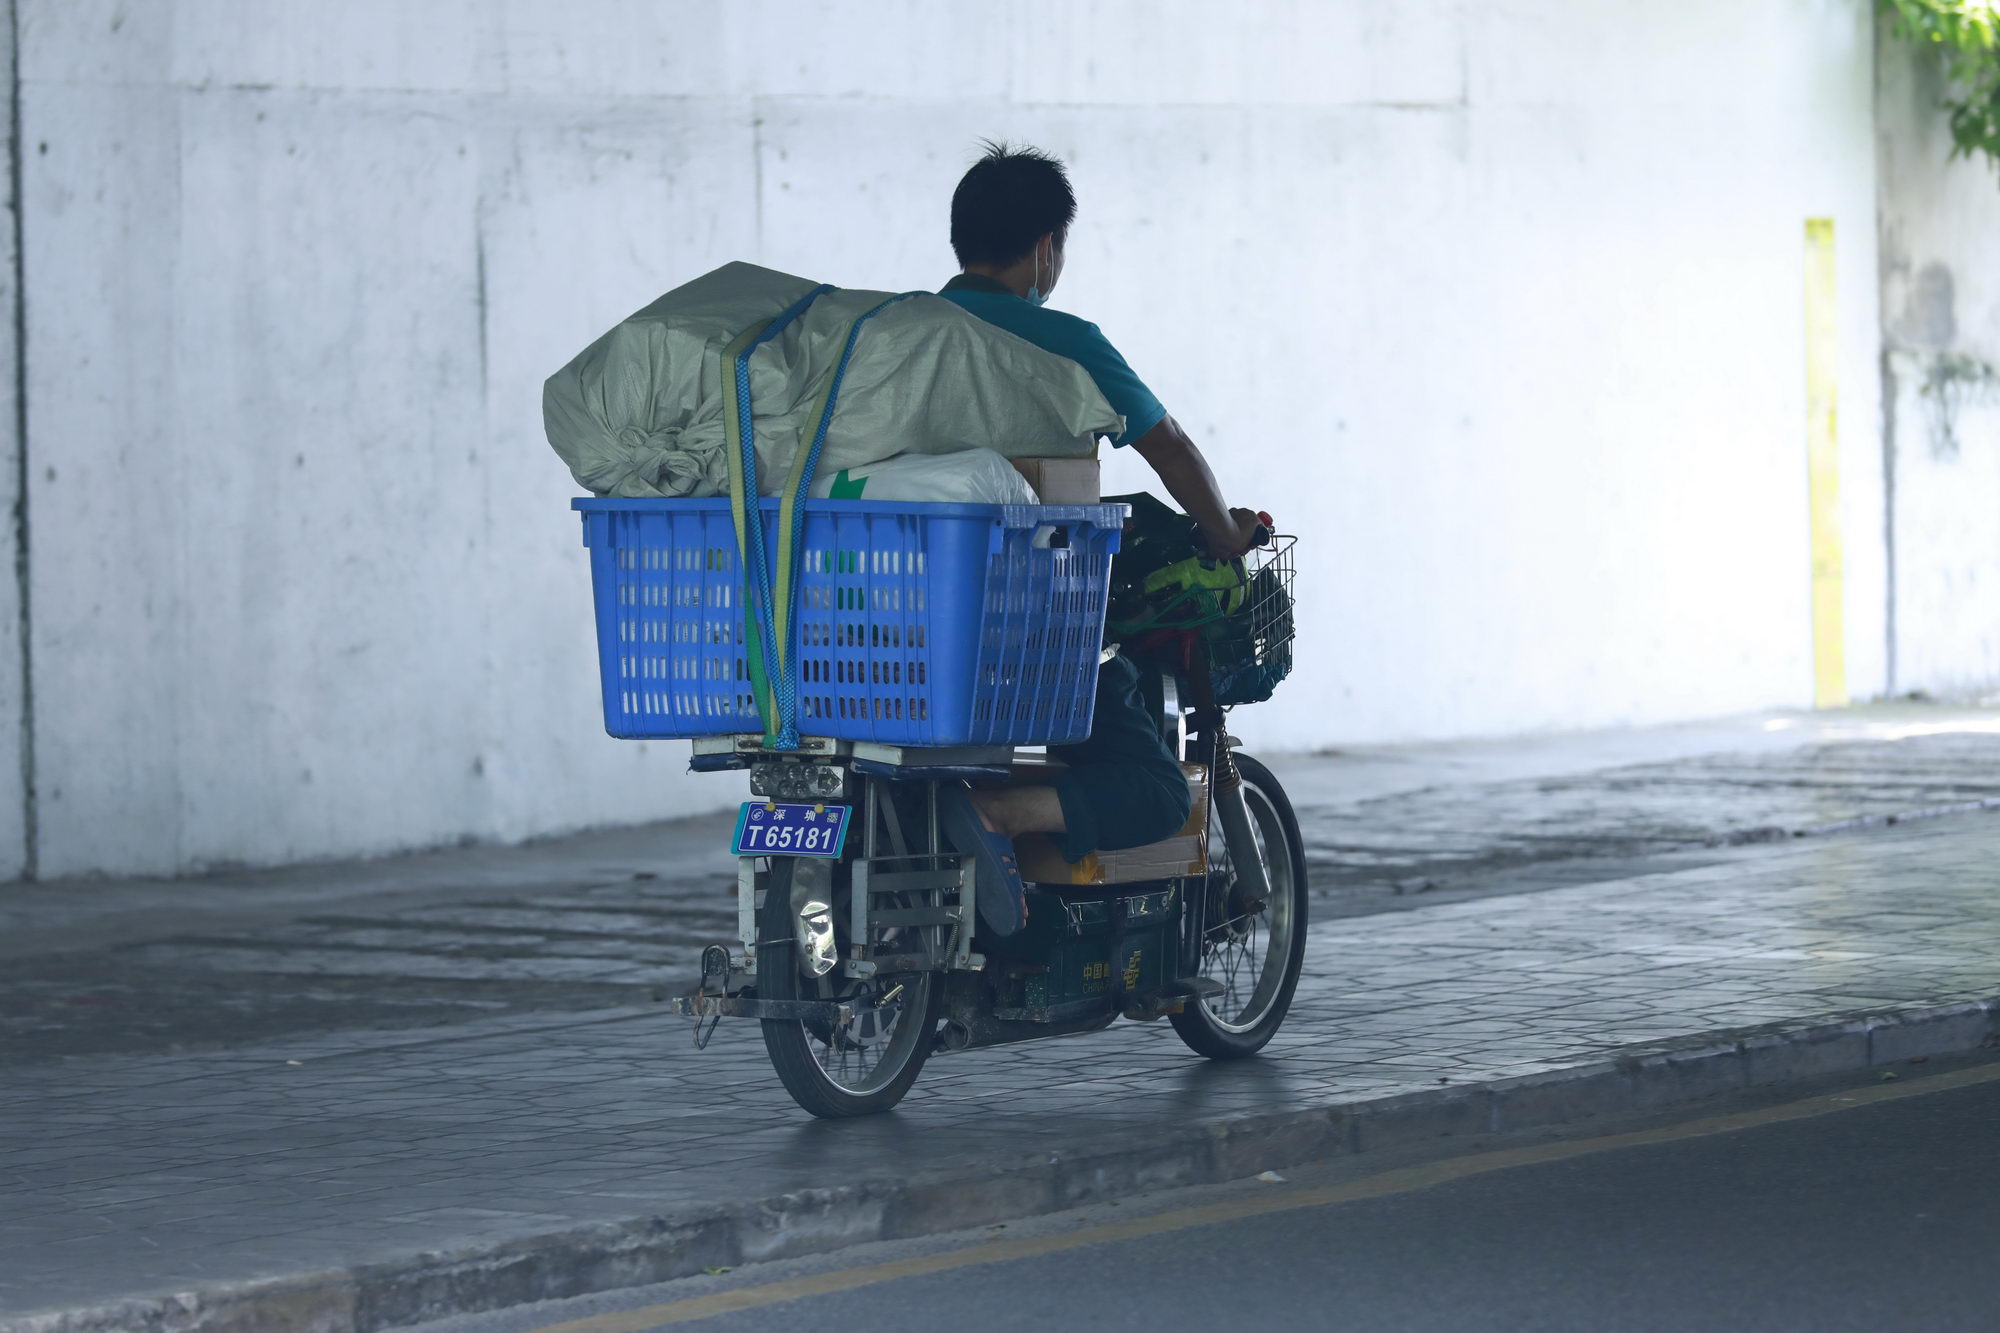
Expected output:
(1246, 951)
(851, 1054)
(839, 1068)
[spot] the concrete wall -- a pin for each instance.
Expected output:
(1499, 306)
(16, 851)
(1940, 253)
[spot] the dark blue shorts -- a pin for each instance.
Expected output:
(1122, 787)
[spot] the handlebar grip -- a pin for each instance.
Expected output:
(1261, 536)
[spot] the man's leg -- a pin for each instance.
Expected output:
(1122, 787)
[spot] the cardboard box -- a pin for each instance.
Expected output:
(1186, 853)
(1062, 481)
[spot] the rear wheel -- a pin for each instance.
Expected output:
(838, 1069)
(1254, 950)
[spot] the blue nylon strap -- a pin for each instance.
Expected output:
(759, 572)
(788, 679)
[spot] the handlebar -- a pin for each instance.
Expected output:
(1260, 536)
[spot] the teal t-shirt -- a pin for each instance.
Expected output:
(1065, 335)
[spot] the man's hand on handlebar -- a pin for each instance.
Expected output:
(1246, 530)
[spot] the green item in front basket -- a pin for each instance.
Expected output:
(1165, 587)
(1161, 579)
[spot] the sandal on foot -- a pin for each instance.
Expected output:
(1003, 900)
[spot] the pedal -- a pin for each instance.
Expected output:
(1193, 988)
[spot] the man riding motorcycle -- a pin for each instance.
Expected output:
(1123, 787)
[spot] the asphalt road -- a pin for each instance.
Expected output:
(1866, 1208)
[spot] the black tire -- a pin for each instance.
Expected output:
(792, 1045)
(1206, 1030)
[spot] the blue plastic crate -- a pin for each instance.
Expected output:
(918, 624)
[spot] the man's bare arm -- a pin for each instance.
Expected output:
(1187, 478)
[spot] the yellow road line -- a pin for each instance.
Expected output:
(1823, 469)
(1400, 1181)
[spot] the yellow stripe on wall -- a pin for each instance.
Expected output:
(1823, 469)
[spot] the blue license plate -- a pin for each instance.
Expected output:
(790, 828)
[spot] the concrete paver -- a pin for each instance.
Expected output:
(1458, 835)
(147, 1175)
(605, 920)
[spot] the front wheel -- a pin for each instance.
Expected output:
(1253, 950)
(867, 1063)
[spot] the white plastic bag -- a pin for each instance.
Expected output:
(970, 476)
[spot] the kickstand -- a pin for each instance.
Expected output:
(714, 963)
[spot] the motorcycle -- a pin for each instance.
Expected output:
(859, 946)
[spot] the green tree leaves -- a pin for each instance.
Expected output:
(1966, 35)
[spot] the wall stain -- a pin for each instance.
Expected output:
(24, 584)
(1953, 382)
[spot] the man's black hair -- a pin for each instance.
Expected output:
(1011, 198)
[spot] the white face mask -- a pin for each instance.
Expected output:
(1036, 296)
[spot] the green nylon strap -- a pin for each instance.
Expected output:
(741, 509)
(742, 505)
(788, 507)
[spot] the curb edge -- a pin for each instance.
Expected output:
(606, 1256)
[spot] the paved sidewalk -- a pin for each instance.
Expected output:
(1453, 836)
(380, 1181)
(602, 921)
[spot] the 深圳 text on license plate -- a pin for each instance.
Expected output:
(790, 828)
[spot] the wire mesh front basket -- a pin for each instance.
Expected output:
(1250, 651)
